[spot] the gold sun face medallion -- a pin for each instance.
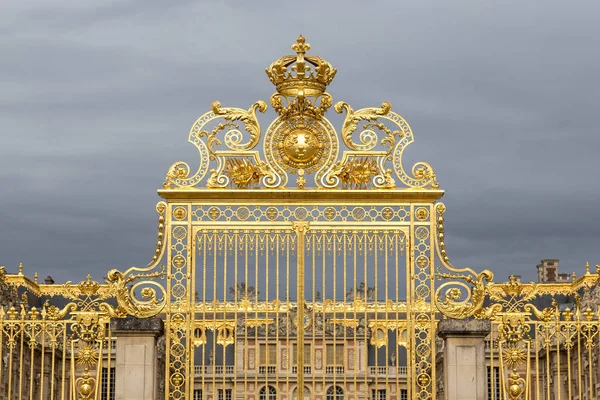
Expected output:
(301, 146)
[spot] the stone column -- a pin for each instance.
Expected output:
(465, 375)
(136, 357)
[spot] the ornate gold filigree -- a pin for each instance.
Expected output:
(380, 328)
(225, 329)
(234, 141)
(125, 296)
(243, 173)
(351, 124)
(301, 141)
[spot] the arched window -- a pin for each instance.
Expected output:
(307, 395)
(335, 393)
(267, 393)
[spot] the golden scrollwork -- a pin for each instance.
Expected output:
(367, 141)
(233, 139)
(149, 305)
(464, 290)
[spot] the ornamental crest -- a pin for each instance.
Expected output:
(300, 147)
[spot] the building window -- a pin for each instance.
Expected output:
(493, 383)
(225, 394)
(267, 393)
(268, 354)
(335, 354)
(108, 384)
(403, 394)
(197, 394)
(378, 394)
(335, 393)
(306, 393)
(307, 354)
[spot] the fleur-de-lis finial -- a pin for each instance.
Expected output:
(301, 47)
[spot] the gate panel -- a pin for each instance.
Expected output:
(245, 317)
(356, 323)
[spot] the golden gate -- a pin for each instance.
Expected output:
(299, 263)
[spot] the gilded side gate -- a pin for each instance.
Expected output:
(300, 263)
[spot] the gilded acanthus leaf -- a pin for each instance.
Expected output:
(247, 117)
(353, 117)
(451, 306)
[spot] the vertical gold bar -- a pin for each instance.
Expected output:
(322, 238)
(99, 367)
(278, 361)
(235, 317)
(64, 360)
(568, 338)
(10, 357)
(203, 370)
(22, 324)
(314, 300)
(537, 362)
(300, 228)
(367, 236)
(558, 371)
(547, 327)
(32, 359)
(589, 347)
(213, 352)
(53, 362)
(108, 359)
(286, 249)
(492, 371)
(223, 244)
(335, 300)
(1, 348)
(579, 368)
(256, 341)
(433, 324)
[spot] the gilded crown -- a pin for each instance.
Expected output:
(301, 75)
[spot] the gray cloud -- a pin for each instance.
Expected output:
(97, 98)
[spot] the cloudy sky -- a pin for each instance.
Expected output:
(97, 97)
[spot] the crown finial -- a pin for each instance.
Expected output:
(20, 268)
(300, 80)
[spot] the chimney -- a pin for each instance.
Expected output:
(547, 271)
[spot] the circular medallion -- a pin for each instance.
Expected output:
(301, 213)
(422, 213)
(300, 144)
(300, 147)
(358, 214)
(179, 213)
(243, 213)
